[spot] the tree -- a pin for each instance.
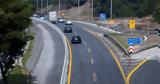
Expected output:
(14, 21)
(75, 2)
(156, 13)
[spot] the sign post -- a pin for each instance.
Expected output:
(130, 49)
(132, 24)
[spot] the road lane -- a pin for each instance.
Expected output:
(103, 71)
(148, 73)
(47, 66)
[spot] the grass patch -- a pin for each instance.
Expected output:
(120, 40)
(28, 54)
(20, 75)
(17, 76)
(125, 44)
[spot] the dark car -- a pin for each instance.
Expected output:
(67, 30)
(76, 39)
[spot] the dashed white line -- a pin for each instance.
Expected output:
(75, 33)
(89, 50)
(84, 42)
(92, 61)
(94, 75)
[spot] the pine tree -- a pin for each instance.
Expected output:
(156, 13)
(14, 20)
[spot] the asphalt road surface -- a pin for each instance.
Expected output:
(148, 73)
(47, 58)
(92, 62)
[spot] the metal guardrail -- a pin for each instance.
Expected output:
(120, 46)
(65, 69)
(149, 46)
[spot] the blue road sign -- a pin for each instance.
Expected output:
(103, 16)
(134, 41)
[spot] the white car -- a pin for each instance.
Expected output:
(42, 18)
(69, 22)
(60, 20)
(35, 15)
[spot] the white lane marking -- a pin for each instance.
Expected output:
(75, 33)
(92, 61)
(94, 75)
(89, 50)
(84, 42)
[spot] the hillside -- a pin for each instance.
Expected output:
(121, 8)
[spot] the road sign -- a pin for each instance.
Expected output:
(132, 24)
(103, 16)
(134, 41)
(145, 38)
(130, 49)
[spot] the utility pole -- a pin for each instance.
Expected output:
(111, 9)
(37, 6)
(41, 7)
(92, 10)
(78, 9)
(59, 8)
(47, 7)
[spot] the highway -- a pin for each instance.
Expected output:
(92, 62)
(48, 54)
(148, 73)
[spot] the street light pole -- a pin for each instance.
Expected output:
(37, 6)
(78, 9)
(59, 8)
(47, 6)
(111, 10)
(92, 10)
(41, 6)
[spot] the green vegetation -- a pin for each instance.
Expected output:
(129, 8)
(156, 12)
(120, 40)
(20, 75)
(14, 23)
(28, 53)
